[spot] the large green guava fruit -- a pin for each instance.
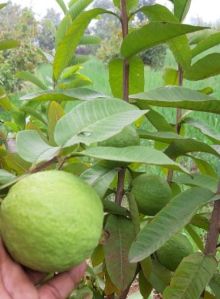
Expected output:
(127, 137)
(151, 193)
(173, 251)
(51, 221)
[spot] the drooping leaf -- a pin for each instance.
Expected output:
(173, 217)
(165, 137)
(136, 76)
(203, 128)
(206, 67)
(8, 44)
(63, 95)
(153, 34)
(191, 277)
(144, 286)
(120, 236)
(133, 154)
(206, 43)
(159, 121)
(67, 46)
(100, 176)
(179, 45)
(181, 8)
(195, 236)
(32, 148)
(77, 7)
(28, 76)
(6, 177)
(29, 111)
(215, 285)
(55, 112)
(181, 147)
(204, 167)
(95, 121)
(114, 209)
(201, 220)
(178, 97)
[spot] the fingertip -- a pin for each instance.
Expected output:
(78, 272)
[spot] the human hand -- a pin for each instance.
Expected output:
(16, 283)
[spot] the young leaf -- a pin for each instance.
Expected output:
(28, 76)
(181, 8)
(32, 148)
(8, 44)
(63, 95)
(77, 7)
(191, 277)
(153, 34)
(133, 154)
(62, 29)
(206, 67)
(136, 76)
(67, 46)
(62, 5)
(178, 97)
(173, 217)
(95, 121)
(120, 236)
(55, 112)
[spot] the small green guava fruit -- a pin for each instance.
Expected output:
(51, 221)
(173, 251)
(127, 137)
(151, 192)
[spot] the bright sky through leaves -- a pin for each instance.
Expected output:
(209, 10)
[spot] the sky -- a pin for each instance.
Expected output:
(209, 10)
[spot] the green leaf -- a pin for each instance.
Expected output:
(206, 67)
(144, 286)
(62, 29)
(181, 8)
(181, 147)
(191, 277)
(95, 121)
(195, 237)
(120, 236)
(165, 137)
(179, 45)
(153, 34)
(90, 40)
(201, 220)
(113, 208)
(63, 95)
(6, 177)
(62, 5)
(28, 76)
(100, 176)
(76, 8)
(171, 219)
(178, 97)
(204, 167)
(160, 276)
(2, 5)
(4, 100)
(133, 208)
(32, 148)
(199, 180)
(67, 46)
(170, 76)
(136, 76)
(203, 128)
(206, 43)
(130, 4)
(8, 44)
(159, 121)
(55, 112)
(215, 285)
(133, 154)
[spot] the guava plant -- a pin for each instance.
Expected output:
(154, 227)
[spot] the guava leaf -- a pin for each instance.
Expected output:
(6, 177)
(172, 218)
(191, 277)
(121, 234)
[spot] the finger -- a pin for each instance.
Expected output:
(14, 279)
(35, 276)
(3, 292)
(62, 285)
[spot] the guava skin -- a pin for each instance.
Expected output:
(173, 251)
(127, 137)
(51, 221)
(151, 193)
